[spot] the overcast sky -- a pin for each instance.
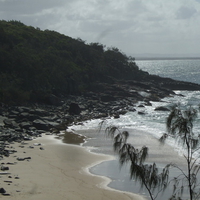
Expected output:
(134, 26)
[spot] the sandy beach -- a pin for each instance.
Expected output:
(54, 170)
(160, 154)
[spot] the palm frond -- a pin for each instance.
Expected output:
(111, 130)
(144, 154)
(100, 125)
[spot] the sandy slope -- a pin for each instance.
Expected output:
(55, 173)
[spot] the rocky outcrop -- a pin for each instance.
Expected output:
(171, 84)
(19, 123)
(162, 108)
(74, 109)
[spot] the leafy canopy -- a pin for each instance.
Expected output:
(34, 63)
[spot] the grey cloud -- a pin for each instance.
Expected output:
(28, 6)
(185, 12)
(136, 7)
(131, 25)
(37, 13)
(102, 35)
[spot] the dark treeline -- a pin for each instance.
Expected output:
(35, 63)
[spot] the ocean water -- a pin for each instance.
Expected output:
(152, 123)
(180, 69)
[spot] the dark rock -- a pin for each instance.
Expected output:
(27, 138)
(132, 109)
(162, 108)
(108, 98)
(74, 109)
(141, 106)
(141, 112)
(4, 173)
(8, 181)
(27, 158)
(52, 124)
(8, 122)
(17, 129)
(39, 112)
(20, 159)
(25, 116)
(2, 190)
(5, 194)
(22, 109)
(41, 125)
(116, 116)
(122, 112)
(26, 125)
(147, 103)
(9, 163)
(3, 168)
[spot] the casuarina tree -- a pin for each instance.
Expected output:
(148, 175)
(180, 126)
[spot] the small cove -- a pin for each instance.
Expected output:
(98, 143)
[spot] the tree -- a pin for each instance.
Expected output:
(147, 175)
(180, 126)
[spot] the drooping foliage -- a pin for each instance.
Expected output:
(148, 175)
(179, 123)
(180, 126)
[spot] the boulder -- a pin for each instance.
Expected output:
(8, 122)
(4, 168)
(40, 125)
(26, 116)
(141, 113)
(141, 106)
(2, 190)
(162, 108)
(26, 125)
(74, 109)
(116, 116)
(53, 124)
(39, 112)
(107, 98)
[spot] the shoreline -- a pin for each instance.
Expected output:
(56, 170)
(160, 154)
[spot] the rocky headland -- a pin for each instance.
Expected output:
(49, 81)
(25, 122)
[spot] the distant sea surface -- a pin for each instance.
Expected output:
(152, 122)
(180, 69)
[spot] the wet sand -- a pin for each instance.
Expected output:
(54, 170)
(160, 154)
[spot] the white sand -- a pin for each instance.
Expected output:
(55, 173)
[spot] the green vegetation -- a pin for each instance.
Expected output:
(35, 63)
(179, 124)
(148, 175)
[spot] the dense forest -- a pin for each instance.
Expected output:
(35, 63)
